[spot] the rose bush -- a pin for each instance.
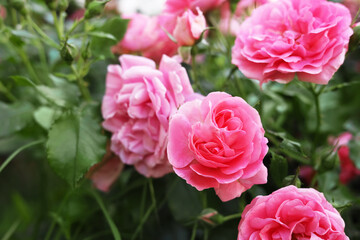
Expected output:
(138, 102)
(218, 142)
(291, 213)
(288, 37)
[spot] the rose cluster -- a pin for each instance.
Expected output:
(159, 125)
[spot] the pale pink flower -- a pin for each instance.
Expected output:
(287, 37)
(189, 27)
(146, 35)
(138, 102)
(348, 170)
(105, 173)
(291, 213)
(177, 7)
(229, 22)
(2, 12)
(218, 142)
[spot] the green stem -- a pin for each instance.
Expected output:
(153, 199)
(28, 65)
(81, 84)
(356, 17)
(114, 230)
(45, 38)
(57, 26)
(195, 77)
(11, 230)
(318, 117)
(143, 220)
(13, 155)
(73, 27)
(193, 233)
(7, 93)
(206, 234)
(233, 216)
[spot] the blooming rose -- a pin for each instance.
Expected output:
(218, 142)
(138, 102)
(347, 166)
(287, 37)
(146, 35)
(189, 27)
(291, 213)
(177, 7)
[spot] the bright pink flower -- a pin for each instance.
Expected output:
(287, 37)
(347, 166)
(291, 213)
(189, 27)
(218, 142)
(177, 7)
(145, 35)
(104, 174)
(138, 102)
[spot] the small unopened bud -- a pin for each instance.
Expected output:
(211, 216)
(95, 8)
(65, 54)
(292, 180)
(62, 5)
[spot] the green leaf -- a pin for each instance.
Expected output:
(103, 35)
(63, 94)
(184, 201)
(23, 34)
(354, 146)
(101, 46)
(23, 81)
(14, 117)
(293, 149)
(75, 144)
(278, 168)
(45, 116)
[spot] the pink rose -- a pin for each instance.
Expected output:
(218, 142)
(145, 35)
(287, 37)
(348, 169)
(138, 102)
(189, 27)
(177, 7)
(105, 173)
(291, 213)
